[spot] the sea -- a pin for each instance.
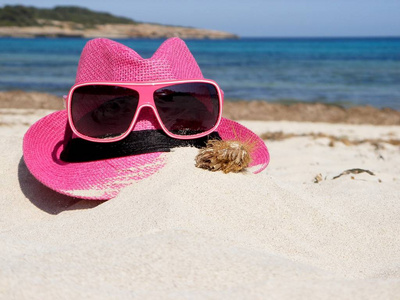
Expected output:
(340, 71)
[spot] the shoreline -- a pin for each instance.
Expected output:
(114, 31)
(254, 110)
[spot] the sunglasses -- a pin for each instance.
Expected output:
(107, 111)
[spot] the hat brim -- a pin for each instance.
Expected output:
(103, 179)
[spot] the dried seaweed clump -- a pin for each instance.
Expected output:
(225, 156)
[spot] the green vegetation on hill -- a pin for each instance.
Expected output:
(18, 15)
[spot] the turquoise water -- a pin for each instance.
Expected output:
(344, 71)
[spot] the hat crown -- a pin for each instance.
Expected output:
(106, 60)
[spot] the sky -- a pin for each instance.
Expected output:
(256, 18)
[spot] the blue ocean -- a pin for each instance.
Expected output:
(349, 72)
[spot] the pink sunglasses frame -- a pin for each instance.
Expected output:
(146, 91)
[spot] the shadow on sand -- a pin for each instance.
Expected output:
(46, 199)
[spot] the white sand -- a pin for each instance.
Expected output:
(187, 233)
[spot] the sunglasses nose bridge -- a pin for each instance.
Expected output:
(147, 114)
(146, 97)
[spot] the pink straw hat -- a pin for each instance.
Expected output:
(103, 60)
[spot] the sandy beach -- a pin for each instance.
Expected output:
(321, 222)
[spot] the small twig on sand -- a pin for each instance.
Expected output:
(354, 171)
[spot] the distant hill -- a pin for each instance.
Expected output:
(19, 15)
(74, 21)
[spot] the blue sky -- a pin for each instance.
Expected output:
(272, 18)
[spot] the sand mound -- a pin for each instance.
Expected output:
(190, 233)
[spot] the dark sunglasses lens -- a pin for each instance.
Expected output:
(103, 111)
(188, 108)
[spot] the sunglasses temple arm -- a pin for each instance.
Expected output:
(67, 134)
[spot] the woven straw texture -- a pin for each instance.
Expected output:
(106, 60)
